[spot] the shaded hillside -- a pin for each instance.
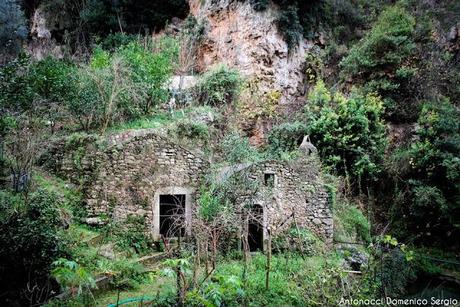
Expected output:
(228, 152)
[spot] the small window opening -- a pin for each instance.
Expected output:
(172, 215)
(269, 180)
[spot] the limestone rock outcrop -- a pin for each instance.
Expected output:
(42, 44)
(250, 41)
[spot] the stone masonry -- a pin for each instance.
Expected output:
(297, 197)
(127, 173)
(131, 170)
(133, 174)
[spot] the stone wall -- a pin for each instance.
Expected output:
(134, 172)
(297, 197)
(74, 158)
(125, 173)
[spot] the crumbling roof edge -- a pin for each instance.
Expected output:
(136, 134)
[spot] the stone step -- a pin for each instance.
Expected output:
(153, 258)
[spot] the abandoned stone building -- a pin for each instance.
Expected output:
(142, 173)
(285, 194)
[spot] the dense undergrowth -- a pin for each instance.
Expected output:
(381, 108)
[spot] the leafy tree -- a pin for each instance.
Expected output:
(348, 132)
(101, 17)
(259, 5)
(71, 276)
(16, 92)
(51, 79)
(22, 145)
(118, 96)
(151, 69)
(7, 123)
(31, 240)
(286, 138)
(87, 22)
(52, 82)
(429, 170)
(382, 62)
(113, 41)
(388, 43)
(39, 87)
(219, 86)
(289, 25)
(237, 149)
(299, 19)
(122, 85)
(84, 105)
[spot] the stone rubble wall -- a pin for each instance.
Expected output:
(121, 175)
(299, 190)
(132, 171)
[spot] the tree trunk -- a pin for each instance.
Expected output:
(269, 258)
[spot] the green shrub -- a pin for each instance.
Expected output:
(387, 44)
(102, 17)
(51, 79)
(286, 138)
(114, 41)
(300, 240)
(126, 273)
(350, 224)
(213, 204)
(7, 123)
(219, 86)
(259, 5)
(85, 106)
(222, 290)
(395, 272)
(132, 235)
(192, 130)
(289, 25)
(109, 80)
(348, 132)
(15, 92)
(354, 221)
(72, 277)
(294, 281)
(100, 59)
(151, 70)
(338, 19)
(53, 83)
(40, 87)
(381, 61)
(70, 196)
(236, 149)
(122, 85)
(429, 176)
(31, 240)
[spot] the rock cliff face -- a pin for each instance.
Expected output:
(249, 41)
(42, 43)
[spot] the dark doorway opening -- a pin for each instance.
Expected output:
(172, 215)
(269, 180)
(255, 229)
